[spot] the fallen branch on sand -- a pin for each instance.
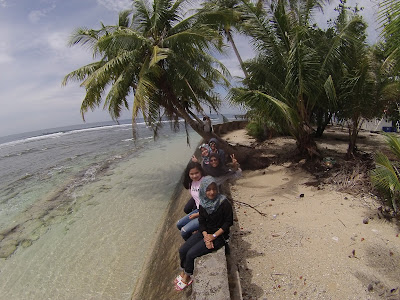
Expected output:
(246, 204)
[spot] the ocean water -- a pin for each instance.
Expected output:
(80, 206)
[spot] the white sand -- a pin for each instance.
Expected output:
(315, 246)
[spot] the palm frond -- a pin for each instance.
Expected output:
(123, 18)
(394, 144)
(82, 73)
(386, 177)
(330, 90)
(158, 55)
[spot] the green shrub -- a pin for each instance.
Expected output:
(256, 130)
(386, 175)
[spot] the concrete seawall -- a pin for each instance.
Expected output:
(162, 265)
(223, 128)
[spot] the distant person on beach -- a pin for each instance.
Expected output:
(205, 152)
(190, 223)
(213, 143)
(207, 124)
(215, 219)
(221, 172)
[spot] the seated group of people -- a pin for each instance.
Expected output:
(205, 228)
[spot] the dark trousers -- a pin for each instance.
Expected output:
(195, 247)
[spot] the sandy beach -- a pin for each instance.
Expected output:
(312, 235)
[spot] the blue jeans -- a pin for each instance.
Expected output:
(195, 247)
(187, 225)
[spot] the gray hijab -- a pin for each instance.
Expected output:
(209, 205)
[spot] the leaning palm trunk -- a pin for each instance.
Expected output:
(233, 44)
(248, 157)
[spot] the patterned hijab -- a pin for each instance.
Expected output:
(206, 159)
(209, 205)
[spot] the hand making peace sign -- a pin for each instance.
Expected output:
(234, 160)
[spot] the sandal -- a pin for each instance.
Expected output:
(180, 285)
(178, 278)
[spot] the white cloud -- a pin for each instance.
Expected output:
(35, 15)
(5, 58)
(5, 55)
(57, 40)
(34, 58)
(115, 5)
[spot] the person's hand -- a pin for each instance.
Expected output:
(194, 216)
(209, 245)
(208, 238)
(234, 160)
(194, 159)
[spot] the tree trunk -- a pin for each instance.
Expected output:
(248, 157)
(353, 133)
(307, 146)
(230, 39)
(305, 142)
(323, 119)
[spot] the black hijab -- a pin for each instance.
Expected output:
(218, 171)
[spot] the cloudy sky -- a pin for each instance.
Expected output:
(34, 58)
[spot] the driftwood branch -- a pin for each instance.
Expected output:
(246, 204)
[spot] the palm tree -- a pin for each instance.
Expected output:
(161, 58)
(288, 75)
(225, 15)
(386, 175)
(358, 80)
(389, 17)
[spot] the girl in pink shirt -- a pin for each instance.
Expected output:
(190, 223)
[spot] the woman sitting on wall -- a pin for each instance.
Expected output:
(205, 152)
(193, 176)
(215, 219)
(213, 143)
(220, 172)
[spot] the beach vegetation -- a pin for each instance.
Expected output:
(357, 79)
(304, 77)
(290, 77)
(386, 175)
(225, 16)
(257, 130)
(389, 18)
(157, 55)
(164, 60)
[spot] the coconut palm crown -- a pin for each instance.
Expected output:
(287, 69)
(159, 56)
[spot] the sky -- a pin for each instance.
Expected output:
(35, 57)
